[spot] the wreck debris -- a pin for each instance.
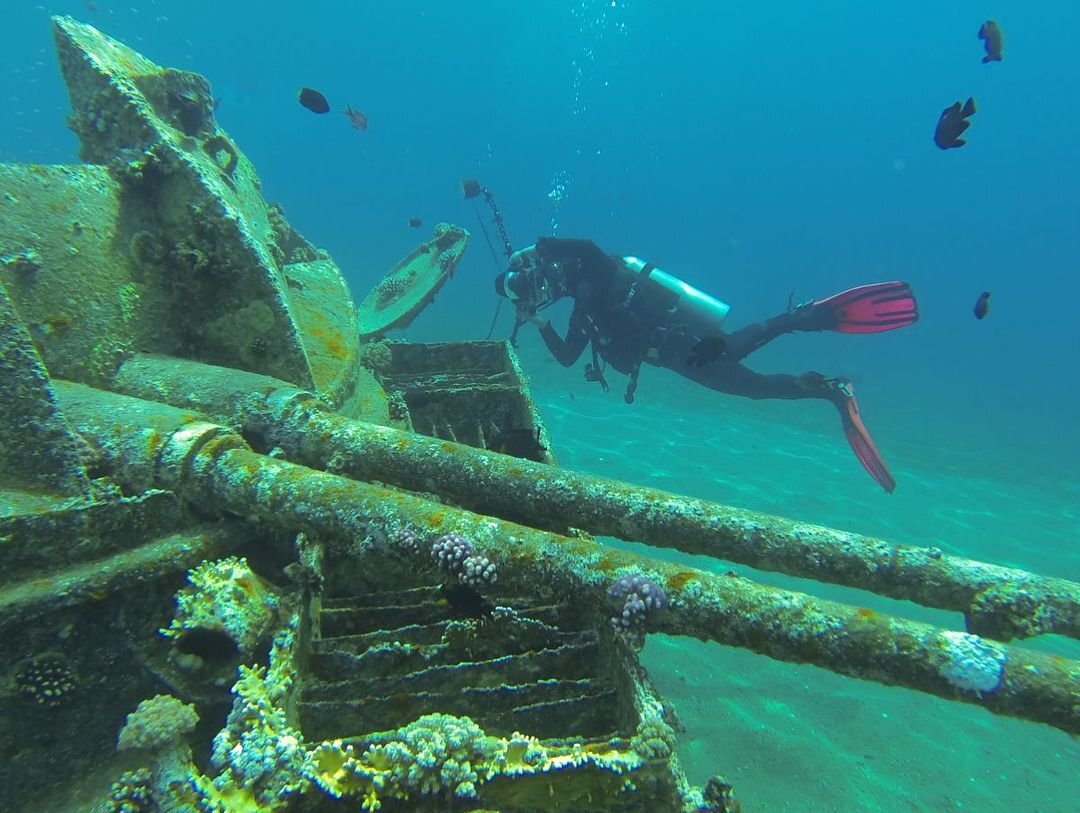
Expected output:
(212, 466)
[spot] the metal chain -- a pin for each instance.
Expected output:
(496, 216)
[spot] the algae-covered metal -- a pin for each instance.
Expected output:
(411, 285)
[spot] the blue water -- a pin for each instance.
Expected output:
(755, 149)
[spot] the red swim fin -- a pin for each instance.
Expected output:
(859, 439)
(872, 308)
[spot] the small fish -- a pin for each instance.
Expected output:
(415, 222)
(982, 305)
(520, 443)
(464, 602)
(952, 124)
(314, 101)
(706, 351)
(993, 41)
(356, 118)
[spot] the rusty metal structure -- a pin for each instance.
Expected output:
(256, 557)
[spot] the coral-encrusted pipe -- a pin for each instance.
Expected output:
(998, 602)
(210, 466)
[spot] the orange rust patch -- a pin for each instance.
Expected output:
(576, 547)
(335, 346)
(607, 564)
(153, 441)
(866, 613)
(677, 581)
(248, 586)
(332, 341)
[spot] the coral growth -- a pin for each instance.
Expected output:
(225, 597)
(406, 539)
(440, 754)
(158, 727)
(376, 356)
(258, 752)
(46, 680)
(435, 752)
(972, 664)
(157, 723)
(450, 552)
(131, 793)
(636, 598)
(393, 287)
(478, 570)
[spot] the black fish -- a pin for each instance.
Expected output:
(464, 602)
(314, 101)
(415, 222)
(520, 443)
(982, 305)
(707, 350)
(952, 124)
(993, 41)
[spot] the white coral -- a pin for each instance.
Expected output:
(972, 663)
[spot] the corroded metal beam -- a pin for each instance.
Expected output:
(998, 602)
(211, 466)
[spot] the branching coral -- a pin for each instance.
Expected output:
(258, 753)
(440, 754)
(435, 753)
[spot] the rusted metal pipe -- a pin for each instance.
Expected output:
(211, 466)
(998, 602)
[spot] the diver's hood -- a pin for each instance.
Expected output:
(524, 259)
(524, 283)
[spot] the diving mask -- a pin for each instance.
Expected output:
(527, 283)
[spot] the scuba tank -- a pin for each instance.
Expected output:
(692, 304)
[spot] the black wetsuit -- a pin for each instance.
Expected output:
(631, 319)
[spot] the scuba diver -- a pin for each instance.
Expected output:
(631, 313)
